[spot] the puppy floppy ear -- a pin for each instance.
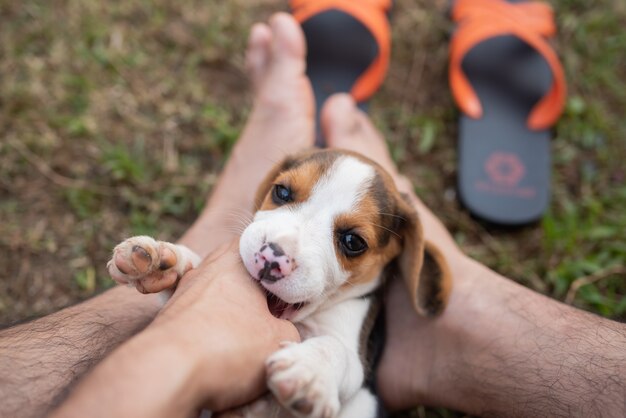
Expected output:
(422, 265)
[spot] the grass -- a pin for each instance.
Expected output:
(115, 118)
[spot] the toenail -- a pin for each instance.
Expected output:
(168, 259)
(140, 287)
(286, 389)
(141, 252)
(303, 406)
(276, 365)
(141, 259)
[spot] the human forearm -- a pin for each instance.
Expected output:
(169, 376)
(39, 360)
(506, 350)
(206, 347)
(159, 372)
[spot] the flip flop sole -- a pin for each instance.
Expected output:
(339, 50)
(504, 167)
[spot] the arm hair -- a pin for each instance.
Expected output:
(41, 360)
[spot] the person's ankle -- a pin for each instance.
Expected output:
(436, 385)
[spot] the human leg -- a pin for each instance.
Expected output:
(499, 348)
(281, 123)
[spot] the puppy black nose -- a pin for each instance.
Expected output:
(273, 263)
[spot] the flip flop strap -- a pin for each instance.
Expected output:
(532, 22)
(371, 13)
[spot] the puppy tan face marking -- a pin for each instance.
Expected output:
(377, 219)
(299, 174)
(295, 184)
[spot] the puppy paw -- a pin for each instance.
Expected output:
(265, 406)
(299, 381)
(149, 265)
(233, 413)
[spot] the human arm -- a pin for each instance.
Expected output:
(42, 359)
(207, 347)
(39, 360)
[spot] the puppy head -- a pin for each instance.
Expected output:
(328, 223)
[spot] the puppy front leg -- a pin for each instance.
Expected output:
(149, 265)
(314, 378)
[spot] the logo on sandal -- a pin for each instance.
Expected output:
(504, 173)
(504, 168)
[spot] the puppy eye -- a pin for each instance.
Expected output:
(281, 194)
(352, 244)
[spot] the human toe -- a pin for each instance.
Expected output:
(258, 52)
(288, 48)
(347, 127)
(339, 121)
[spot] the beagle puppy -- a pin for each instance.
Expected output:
(330, 227)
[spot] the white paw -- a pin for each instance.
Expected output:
(151, 266)
(299, 377)
(263, 407)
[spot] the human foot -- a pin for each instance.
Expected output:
(281, 123)
(409, 353)
(347, 127)
(283, 104)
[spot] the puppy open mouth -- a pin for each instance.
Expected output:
(281, 309)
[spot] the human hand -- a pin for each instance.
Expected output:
(220, 316)
(206, 348)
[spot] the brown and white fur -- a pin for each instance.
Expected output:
(330, 226)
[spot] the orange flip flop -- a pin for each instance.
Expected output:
(348, 47)
(510, 86)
